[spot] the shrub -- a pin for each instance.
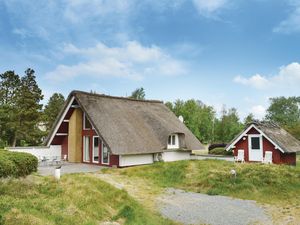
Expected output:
(219, 145)
(17, 164)
(220, 151)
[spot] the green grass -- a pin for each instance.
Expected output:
(264, 183)
(76, 199)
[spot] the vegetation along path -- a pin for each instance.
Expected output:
(193, 192)
(189, 207)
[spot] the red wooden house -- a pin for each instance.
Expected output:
(115, 131)
(259, 137)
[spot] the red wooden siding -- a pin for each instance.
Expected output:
(278, 156)
(113, 159)
(64, 147)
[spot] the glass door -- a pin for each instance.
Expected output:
(95, 149)
(105, 154)
(86, 149)
(255, 148)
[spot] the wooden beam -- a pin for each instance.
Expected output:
(61, 134)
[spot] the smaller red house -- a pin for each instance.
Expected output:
(259, 137)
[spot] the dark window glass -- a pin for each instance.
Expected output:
(169, 140)
(255, 144)
(87, 123)
(173, 139)
(96, 150)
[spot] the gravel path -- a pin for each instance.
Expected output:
(195, 208)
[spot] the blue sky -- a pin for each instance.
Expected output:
(233, 52)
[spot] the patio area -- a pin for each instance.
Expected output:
(67, 168)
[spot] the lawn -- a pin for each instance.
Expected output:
(76, 199)
(263, 183)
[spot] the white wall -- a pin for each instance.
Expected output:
(39, 151)
(131, 160)
(175, 156)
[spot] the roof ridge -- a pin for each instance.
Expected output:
(74, 92)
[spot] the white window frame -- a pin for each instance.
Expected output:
(176, 145)
(84, 145)
(108, 160)
(85, 117)
(94, 147)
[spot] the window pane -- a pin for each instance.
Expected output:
(87, 123)
(169, 141)
(105, 154)
(86, 152)
(173, 139)
(96, 150)
(255, 144)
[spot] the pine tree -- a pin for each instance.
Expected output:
(29, 109)
(9, 87)
(52, 108)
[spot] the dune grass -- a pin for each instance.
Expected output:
(76, 199)
(263, 183)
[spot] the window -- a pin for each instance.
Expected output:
(255, 143)
(96, 149)
(173, 141)
(86, 123)
(105, 154)
(86, 148)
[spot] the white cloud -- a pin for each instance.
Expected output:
(207, 7)
(132, 61)
(292, 23)
(288, 77)
(258, 111)
(256, 81)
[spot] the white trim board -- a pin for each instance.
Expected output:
(60, 120)
(245, 134)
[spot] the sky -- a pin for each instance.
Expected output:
(237, 53)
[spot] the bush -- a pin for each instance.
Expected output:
(220, 145)
(220, 151)
(17, 164)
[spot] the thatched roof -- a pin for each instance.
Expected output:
(284, 140)
(130, 126)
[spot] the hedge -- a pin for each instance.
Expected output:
(220, 151)
(17, 164)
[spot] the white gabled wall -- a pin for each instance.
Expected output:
(40, 151)
(131, 160)
(175, 156)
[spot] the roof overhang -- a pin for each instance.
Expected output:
(245, 134)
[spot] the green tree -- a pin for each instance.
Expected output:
(198, 117)
(29, 110)
(285, 112)
(228, 126)
(138, 93)
(9, 87)
(52, 109)
(250, 118)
